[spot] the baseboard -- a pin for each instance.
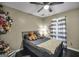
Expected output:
(73, 49)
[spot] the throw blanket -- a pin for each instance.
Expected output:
(50, 45)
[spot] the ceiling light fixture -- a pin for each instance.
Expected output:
(46, 7)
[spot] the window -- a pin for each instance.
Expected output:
(58, 28)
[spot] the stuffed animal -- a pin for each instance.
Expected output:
(6, 26)
(32, 36)
(4, 47)
(7, 48)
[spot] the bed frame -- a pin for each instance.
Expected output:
(39, 52)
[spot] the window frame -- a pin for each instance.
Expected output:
(58, 25)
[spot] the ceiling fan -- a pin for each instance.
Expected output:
(46, 5)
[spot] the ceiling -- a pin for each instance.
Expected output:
(32, 9)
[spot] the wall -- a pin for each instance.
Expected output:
(72, 27)
(22, 22)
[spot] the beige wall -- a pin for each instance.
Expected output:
(72, 27)
(22, 22)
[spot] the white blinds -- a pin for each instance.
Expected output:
(58, 28)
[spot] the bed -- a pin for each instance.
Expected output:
(43, 47)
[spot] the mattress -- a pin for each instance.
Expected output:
(50, 45)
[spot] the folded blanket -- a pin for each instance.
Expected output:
(50, 45)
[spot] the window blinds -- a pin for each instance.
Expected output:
(58, 28)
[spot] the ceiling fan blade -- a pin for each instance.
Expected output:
(45, 3)
(55, 3)
(38, 3)
(40, 9)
